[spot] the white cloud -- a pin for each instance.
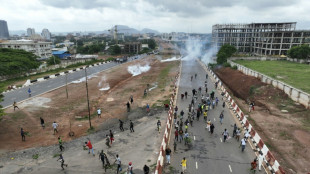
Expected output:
(161, 15)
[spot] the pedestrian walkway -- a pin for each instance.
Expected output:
(209, 153)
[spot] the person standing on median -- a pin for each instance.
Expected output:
(261, 158)
(15, 105)
(42, 122)
(22, 133)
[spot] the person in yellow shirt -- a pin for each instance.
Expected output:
(183, 164)
(205, 115)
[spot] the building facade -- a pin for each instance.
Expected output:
(4, 31)
(41, 49)
(46, 34)
(30, 32)
(260, 38)
(132, 47)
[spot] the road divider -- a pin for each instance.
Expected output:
(165, 140)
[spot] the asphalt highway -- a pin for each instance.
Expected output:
(39, 88)
(209, 154)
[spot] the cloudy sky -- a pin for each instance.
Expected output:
(161, 15)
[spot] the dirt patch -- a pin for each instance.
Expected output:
(285, 133)
(72, 113)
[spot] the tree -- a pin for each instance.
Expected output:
(16, 62)
(225, 52)
(115, 50)
(299, 52)
(53, 60)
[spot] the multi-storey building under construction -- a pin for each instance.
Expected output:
(260, 38)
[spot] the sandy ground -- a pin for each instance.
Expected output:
(285, 133)
(54, 106)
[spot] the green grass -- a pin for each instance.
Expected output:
(35, 156)
(294, 74)
(163, 76)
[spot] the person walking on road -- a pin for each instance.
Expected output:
(183, 164)
(181, 135)
(22, 133)
(209, 125)
(235, 130)
(29, 92)
(107, 140)
(111, 137)
(131, 126)
(261, 158)
(15, 105)
(121, 124)
(223, 104)
(195, 75)
(62, 161)
(146, 169)
(222, 117)
(128, 106)
(176, 135)
(102, 158)
(55, 125)
(185, 94)
(42, 122)
(90, 147)
(225, 133)
(176, 109)
(181, 114)
(129, 169)
(238, 134)
(158, 126)
(253, 166)
(131, 99)
(60, 144)
(212, 128)
(243, 143)
(168, 152)
(99, 113)
(119, 163)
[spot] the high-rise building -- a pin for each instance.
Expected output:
(4, 31)
(46, 34)
(260, 38)
(30, 32)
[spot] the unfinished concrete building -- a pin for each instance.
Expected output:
(132, 47)
(260, 38)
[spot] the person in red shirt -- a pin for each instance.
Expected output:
(176, 134)
(90, 147)
(253, 166)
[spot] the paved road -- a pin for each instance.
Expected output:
(50, 84)
(209, 154)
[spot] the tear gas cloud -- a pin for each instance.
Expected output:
(138, 69)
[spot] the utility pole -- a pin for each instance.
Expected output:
(87, 99)
(66, 85)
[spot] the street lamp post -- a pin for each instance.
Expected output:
(87, 99)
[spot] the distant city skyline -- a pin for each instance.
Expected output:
(161, 15)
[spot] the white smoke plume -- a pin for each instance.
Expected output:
(102, 83)
(138, 69)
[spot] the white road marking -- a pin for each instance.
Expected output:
(221, 139)
(196, 165)
(230, 168)
(194, 138)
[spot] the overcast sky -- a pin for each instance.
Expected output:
(161, 15)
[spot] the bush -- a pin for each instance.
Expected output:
(212, 65)
(299, 52)
(226, 64)
(235, 67)
(53, 60)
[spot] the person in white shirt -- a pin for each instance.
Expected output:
(247, 134)
(243, 143)
(261, 158)
(55, 125)
(99, 112)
